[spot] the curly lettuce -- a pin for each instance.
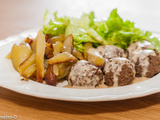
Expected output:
(113, 31)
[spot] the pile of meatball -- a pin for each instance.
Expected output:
(120, 68)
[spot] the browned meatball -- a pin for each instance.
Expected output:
(84, 73)
(137, 46)
(147, 63)
(110, 51)
(119, 72)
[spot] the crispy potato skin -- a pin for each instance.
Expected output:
(50, 77)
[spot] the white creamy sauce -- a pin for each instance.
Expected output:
(115, 65)
(136, 80)
(139, 79)
(94, 51)
(82, 74)
(138, 46)
(110, 51)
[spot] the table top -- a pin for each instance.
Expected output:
(19, 15)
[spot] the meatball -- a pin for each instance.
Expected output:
(110, 51)
(119, 72)
(147, 62)
(84, 73)
(137, 46)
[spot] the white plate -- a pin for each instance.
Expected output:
(10, 79)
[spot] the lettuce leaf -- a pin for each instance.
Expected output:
(56, 27)
(113, 31)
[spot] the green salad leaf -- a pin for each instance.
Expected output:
(113, 31)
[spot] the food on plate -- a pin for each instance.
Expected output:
(145, 57)
(110, 51)
(95, 58)
(147, 63)
(40, 51)
(19, 53)
(62, 58)
(137, 46)
(83, 73)
(119, 71)
(87, 52)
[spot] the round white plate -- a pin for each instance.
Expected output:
(10, 79)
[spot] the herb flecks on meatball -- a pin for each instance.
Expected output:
(84, 73)
(119, 72)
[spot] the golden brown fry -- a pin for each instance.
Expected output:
(62, 58)
(60, 38)
(87, 46)
(49, 46)
(63, 70)
(48, 53)
(25, 64)
(50, 77)
(68, 44)
(19, 53)
(33, 45)
(78, 54)
(56, 69)
(28, 40)
(57, 47)
(95, 58)
(29, 71)
(40, 51)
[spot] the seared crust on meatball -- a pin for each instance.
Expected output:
(110, 51)
(119, 72)
(84, 73)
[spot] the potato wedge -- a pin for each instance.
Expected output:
(25, 64)
(78, 54)
(63, 70)
(50, 77)
(19, 53)
(33, 45)
(28, 40)
(56, 69)
(8, 56)
(87, 46)
(95, 58)
(49, 46)
(29, 71)
(57, 47)
(40, 51)
(62, 58)
(60, 38)
(68, 44)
